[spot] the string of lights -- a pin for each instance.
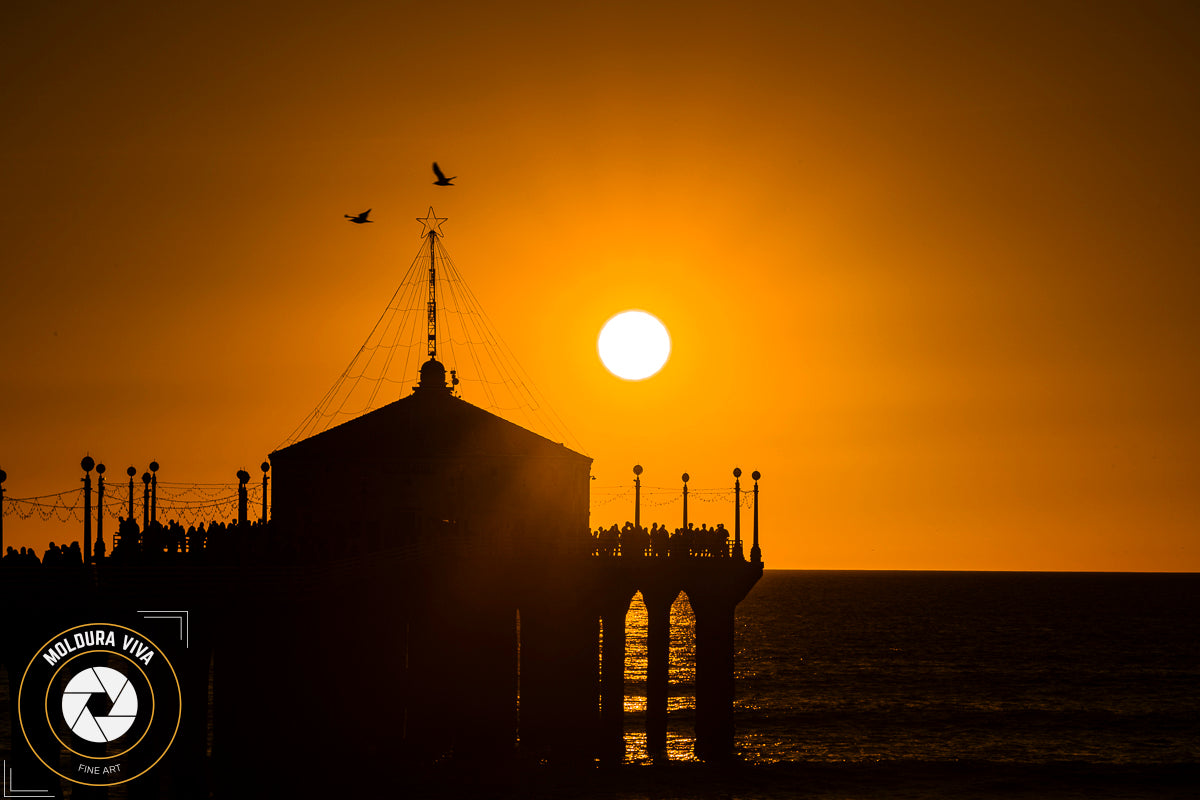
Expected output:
(44, 497)
(63, 506)
(334, 401)
(663, 499)
(465, 337)
(171, 503)
(613, 498)
(222, 485)
(195, 503)
(657, 491)
(182, 492)
(517, 381)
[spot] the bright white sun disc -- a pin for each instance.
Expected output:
(634, 345)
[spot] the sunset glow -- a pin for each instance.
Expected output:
(931, 269)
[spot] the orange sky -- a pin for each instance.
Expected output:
(932, 270)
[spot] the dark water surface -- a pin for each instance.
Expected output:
(1026, 668)
(916, 685)
(942, 684)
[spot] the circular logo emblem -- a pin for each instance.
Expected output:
(101, 683)
(99, 704)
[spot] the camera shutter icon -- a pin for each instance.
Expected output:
(116, 687)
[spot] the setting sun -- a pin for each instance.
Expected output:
(634, 345)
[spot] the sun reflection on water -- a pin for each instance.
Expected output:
(681, 686)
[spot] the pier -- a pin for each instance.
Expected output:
(442, 639)
(424, 589)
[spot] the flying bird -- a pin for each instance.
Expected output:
(360, 219)
(442, 180)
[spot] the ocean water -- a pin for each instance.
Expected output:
(916, 685)
(943, 667)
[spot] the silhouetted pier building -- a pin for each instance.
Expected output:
(428, 586)
(490, 523)
(426, 471)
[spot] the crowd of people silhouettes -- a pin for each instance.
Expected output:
(226, 540)
(157, 541)
(659, 541)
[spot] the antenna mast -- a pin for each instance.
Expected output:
(432, 304)
(502, 381)
(432, 230)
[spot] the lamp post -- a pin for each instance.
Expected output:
(100, 504)
(131, 472)
(3, 478)
(737, 514)
(686, 478)
(153, 491)
(145, 503)
(243, 478)
(87, 464)
(637, 495)
(266, 467)
(755, 552)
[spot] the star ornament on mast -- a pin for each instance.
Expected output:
(432, 224)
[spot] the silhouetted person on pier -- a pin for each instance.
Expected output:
(74, 555)
(216, 537)
(609, 541)
(130, 539)
(154, 541)
(625, 538)
(174, 537)
(641, 541)
(722, 540)
(659, 540)
(689, 541)
(51, 557)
